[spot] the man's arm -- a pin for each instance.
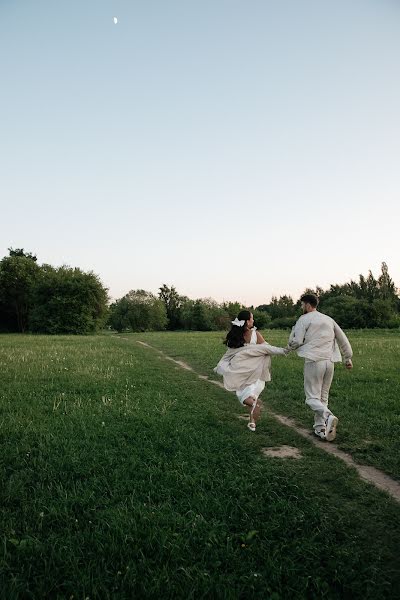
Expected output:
(344, 346)
(296, 338)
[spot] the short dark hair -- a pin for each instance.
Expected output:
(310, 299)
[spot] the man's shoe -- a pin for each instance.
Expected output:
(320, 433)
(331, 425)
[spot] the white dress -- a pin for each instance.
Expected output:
(254, 389)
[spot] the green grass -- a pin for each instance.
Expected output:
(366, 400)
(126, 477)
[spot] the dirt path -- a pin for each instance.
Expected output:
(370, 474)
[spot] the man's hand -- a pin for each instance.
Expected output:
(287, 350)
(348, 364)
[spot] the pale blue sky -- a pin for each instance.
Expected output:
(234, 149)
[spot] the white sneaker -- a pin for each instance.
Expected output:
(331, 424)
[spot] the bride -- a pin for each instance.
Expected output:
(246, 364)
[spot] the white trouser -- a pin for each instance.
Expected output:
(318, 377)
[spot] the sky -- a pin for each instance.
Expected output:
(236, 150)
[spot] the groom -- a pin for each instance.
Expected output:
(316, 338)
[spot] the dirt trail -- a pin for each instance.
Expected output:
(370, 474)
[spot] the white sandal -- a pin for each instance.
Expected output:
(252, 425)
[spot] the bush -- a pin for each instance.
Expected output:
(348, 311)
(67, 300)
(352, 313)
(282, 323)
(262, 319)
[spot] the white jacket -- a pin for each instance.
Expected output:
(318, 337)
(243, 366)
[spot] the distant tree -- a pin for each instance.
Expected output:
(45, 299)
(370, 302)
(317, 291)
(218, 318)
(386, 286)
(263, 307)
(279, 308)
(67, 300)
(232, 308)
(368, 287)
(337, 290)
(201, 317)
(138, 311)
(118, 316)
(205, 314)
(347, 311)
(18, 274)
(186, 312)
(262, 319)
(384, 314)
(282, 323)
(173, 304)
(21, 252)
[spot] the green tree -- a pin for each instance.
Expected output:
(67, 300)
(118, 317)
(201, 317)
(205, 314)
(368, 287)
(21, 252)
(370, 302)
(232, 308)
(217, 317)
(262, 319)
(18, 275)
(279, 308)
(282, 323)
(386, 286)
(138, 310)
(186, 314)
(173, 304)
(384, 313)
(347, 311)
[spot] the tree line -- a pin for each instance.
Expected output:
(45, 299)
(66, 300)
(367, 303)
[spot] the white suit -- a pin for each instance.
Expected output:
(320, 340)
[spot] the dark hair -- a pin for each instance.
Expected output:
(234, 337)
(310, 299)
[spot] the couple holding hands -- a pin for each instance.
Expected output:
(246, 365)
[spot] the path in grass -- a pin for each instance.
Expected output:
(370, 474)
(366, 400)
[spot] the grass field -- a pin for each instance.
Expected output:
(124, 476)
(366, 400)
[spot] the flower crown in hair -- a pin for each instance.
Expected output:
(238, 323)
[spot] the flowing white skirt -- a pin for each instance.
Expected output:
(253, 390)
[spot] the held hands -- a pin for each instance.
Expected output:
(286, 350)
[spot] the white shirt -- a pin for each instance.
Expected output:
(318, 337)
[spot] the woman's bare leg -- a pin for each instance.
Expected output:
(254, 406)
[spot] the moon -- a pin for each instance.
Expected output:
(115, 20)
